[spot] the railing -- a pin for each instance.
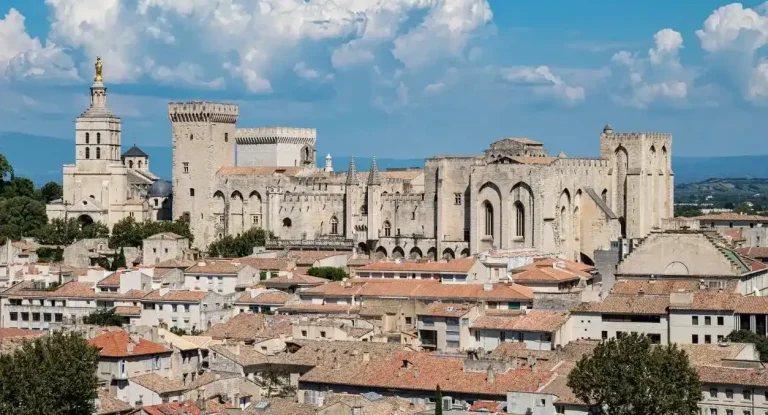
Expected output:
(335, 243)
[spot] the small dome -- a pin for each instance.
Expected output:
(160, 188)
(328, 157)
(607, 129)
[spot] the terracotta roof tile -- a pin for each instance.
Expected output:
(754, 251)
(109, 404)
(752, 305)
(422, 289)
(319, 308)
(730, 216)
(294, 280)
(213, 407)
(165, 235)
(72, 289)
(705, 300)
(176, 263)
(267, 264)
(462, 265)
(423, 372)
(158, 384)
(216, 266)
(445, 310)
(116, 344)
(733, 376)
(307, 258)
(246, 326)
(532, 320)
(654, 286)
(712, 354)
(176, 295)
(8, 332)
(628, 304)
(113, 280)
(265, 297)
(128, 311)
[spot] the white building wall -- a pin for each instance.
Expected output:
(710, 325)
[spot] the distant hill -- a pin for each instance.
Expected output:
(40, 158)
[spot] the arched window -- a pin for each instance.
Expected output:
(87, 138)
(364, 210)
(387, 228)
(139, 163)
(605, 195)
(519, 220)
(287, 222)
(130, 163)
(87, 153)
(488, 218)
(98, 152)
(98, 138)
(334, 226)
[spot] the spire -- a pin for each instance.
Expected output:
(98, 91)
(328, 163)
(373, 176)
(607, 129)
(351, 172)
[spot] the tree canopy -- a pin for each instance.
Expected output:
(53, 374)
(64, 232)
(51, 191)
(128, 232)
(20, 216)
(239, 246)
(329, 273)
(746, 336)
(629, 375)
(105, 317)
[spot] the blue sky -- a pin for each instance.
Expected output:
(399, 78)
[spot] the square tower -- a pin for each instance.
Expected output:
(203, 142)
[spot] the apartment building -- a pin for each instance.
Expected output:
(223, 276)
(702, 317)
(294, 282)
(269, 268)
(163, 247)
(445, 326)
(184, 309)
(28, 305)
(618, 314)
(554, 275)
(186, 359)
(458, 271)
(260, 300)
(536, 329)
(341, 328)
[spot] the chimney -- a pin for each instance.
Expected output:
(201, 400)
(491, 374)
(487, 286)
(129, 347)
(236, 400)
(164, 291)
(640, 293)
(133, 338)
(366, 357)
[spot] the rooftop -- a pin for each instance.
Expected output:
(120, 344)
(628, 304)
(422, 289)
(158, 384)
(294, 280)
(216, 266)
(445, 310)
(531, 321)
(246, 326)
(462, 265)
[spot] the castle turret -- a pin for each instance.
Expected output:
(351, 200)
(374, 200)
(328, 163)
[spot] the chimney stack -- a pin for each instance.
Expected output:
(491, 374)
(366, 357)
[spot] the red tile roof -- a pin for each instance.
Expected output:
(115, 344)
(628, 304)
(265, 297)
(752, 305)
(216, 266)
(295, 280)
(531, 321)
(127, 311)
(462, 265)
(176, 295)
(267, 264)
(424, 372)
(422, 289)
(754, 251)
(7, 332)
(113, 280)
(186, 408)
(445, 310)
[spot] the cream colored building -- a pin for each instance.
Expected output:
(227, 180)
(104, 185)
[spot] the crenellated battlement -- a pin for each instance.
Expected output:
(201, 111)
(274, 135)
(581, 162)
(403, 198)
(312, 197)
(637, 136)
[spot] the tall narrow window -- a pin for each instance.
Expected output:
(98, 152)
(488, 218)
(87, 138)
(226, 137)
(334, 226)
(87, 153)
(186, 167)
(191, 191)
(98, 138)
(139, 163)
(130, 163)
(519, 220)
(387, 228)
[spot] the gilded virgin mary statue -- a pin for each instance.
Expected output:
(98, 70)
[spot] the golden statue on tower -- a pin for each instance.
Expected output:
(98, 70)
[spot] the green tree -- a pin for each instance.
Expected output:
(746, 336)
(93, 230)
(6, 170)
(128, 232)
(52, 375)
(119, 261)
(329, 273)
(106, 317)
(438, 401)
(60, 232)
(239, 246)
(21, 216)
(276, 381)
(729, 205)
(629, 376)
(50, 255)
(19, 186)
(687, 211)
(51, 191)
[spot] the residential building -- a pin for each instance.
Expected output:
(554, 275)
(163, 247)
(184, 309)
(294, 282)
(445, 326)
(458, 271)
(260, 300)
(536, 329)
(223, 276)
(342, 328)
(621, 314)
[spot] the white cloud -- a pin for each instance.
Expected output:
(660, 76)
(434, 88)
(544, 82)
(22, 56)
(302, 70)
(183, 74)
(734, 35)
(400, 100)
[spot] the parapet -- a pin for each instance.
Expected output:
(273, 135)
(201, 111)
(636, 136)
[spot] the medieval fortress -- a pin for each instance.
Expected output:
(227, 180)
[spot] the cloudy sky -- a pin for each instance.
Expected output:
(400, 78)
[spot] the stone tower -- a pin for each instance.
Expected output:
(203, 141)
(374, 201)
(351, 199)
(641, 179)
